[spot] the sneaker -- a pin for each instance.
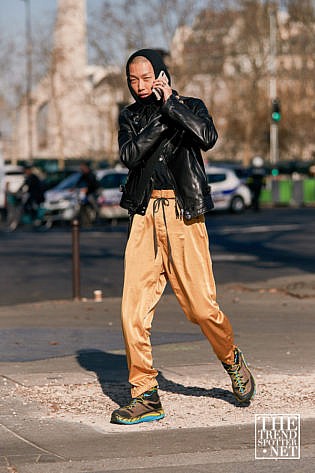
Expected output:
(144, 408)
(243, 382)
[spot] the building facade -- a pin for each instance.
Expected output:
(224, 58)
(74, 108)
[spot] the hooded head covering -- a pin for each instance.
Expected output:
(158, 65)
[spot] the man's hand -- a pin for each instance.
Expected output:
(164, 87)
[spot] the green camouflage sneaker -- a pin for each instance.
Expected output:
(243, 382)
(144, 408)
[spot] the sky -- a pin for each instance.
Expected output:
(12, 13)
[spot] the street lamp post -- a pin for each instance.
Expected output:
(274, 141)
(29, 72)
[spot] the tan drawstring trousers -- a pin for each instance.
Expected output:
(164, 248)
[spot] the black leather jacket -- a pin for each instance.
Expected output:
(175, 132)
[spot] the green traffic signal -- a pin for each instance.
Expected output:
(276, 116)
(275, 110)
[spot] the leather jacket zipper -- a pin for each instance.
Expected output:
(177, 196)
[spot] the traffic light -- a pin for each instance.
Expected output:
(275, 111)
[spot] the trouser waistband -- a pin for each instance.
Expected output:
(163, 193)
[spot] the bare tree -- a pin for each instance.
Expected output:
(247, 54)
(12, 69)
(228, 51)
(120, 27)
(11, 89)
(297, 56)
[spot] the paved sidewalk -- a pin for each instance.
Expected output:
(63, 371)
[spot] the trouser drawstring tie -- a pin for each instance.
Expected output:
(164, 202)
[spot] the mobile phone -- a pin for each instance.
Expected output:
(157, 92)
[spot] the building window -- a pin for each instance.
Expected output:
(42, 126)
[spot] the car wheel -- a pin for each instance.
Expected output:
(237, 205)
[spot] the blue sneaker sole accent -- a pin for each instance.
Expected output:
(138, 420)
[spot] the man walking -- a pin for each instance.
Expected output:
(33, 191)
(167, 194)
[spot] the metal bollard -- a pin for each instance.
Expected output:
(76, 285)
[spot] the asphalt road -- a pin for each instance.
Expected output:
(250, 247)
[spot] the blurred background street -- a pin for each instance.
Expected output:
(37, 265)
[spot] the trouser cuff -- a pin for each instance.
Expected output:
(138, 390)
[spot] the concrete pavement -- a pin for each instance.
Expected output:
(63, 370)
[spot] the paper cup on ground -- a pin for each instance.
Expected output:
(98, 295)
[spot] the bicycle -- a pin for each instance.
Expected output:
(20, 210)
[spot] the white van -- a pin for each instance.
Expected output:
(11, 179)
(14, 177)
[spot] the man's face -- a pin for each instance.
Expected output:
(141, 76)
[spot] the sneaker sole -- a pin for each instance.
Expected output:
(150, 417)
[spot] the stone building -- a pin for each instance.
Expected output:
(75, 106)
(223, 58)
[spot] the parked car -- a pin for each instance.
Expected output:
(52, 179)
(228, 190)
(110, 193)
(63, 201)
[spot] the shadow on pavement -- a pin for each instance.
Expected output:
(112, 374)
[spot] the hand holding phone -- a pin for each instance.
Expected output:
(157, 91)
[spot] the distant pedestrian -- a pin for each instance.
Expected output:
(167, 194)
(256, 181)
(88, 185)
(87, 182)
(32, 189)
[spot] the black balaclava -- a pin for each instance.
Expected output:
(158, 65)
